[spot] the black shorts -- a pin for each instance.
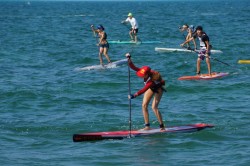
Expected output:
(104, 45)
(135, 30)
(156, 87)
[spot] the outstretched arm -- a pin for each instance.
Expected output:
(192, 38)
(141, 91)
(130, 63)
(125, 21)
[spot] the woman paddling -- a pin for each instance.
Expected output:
(153, 87)
(103, 43)
(190, 30)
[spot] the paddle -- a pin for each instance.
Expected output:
(129, 92)
(125, 24)
(192, 50)
(221, 61)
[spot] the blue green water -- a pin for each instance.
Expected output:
(44, 101)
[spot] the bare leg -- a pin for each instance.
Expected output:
(208, 65)
(146, 99)
(135, 36)
(100, 55)
(105, 52)
(198, 65)
(156, 101)
(130, 34)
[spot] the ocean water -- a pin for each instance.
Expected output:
(44, 101)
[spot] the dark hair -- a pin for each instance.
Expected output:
(199, 28)
(186, 25)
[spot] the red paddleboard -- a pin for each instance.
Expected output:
(135, 133)
(204, 76)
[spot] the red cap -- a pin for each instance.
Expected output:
(143, 71)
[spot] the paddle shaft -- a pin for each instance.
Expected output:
(126, 25)
(211, 57)
(129, 92)
(96, 38)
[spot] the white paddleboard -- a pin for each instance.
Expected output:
(182, 50)
(99, 67)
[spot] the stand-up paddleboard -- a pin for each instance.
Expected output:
(136, 133)
(133, 42)
(244, 61)
(107, 66)
(204, 76)
(182, 50)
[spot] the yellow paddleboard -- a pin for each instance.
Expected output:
(244, 61)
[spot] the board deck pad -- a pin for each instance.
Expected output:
(182, 50)
(107, 66)
(204, 76)
(136, 133)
